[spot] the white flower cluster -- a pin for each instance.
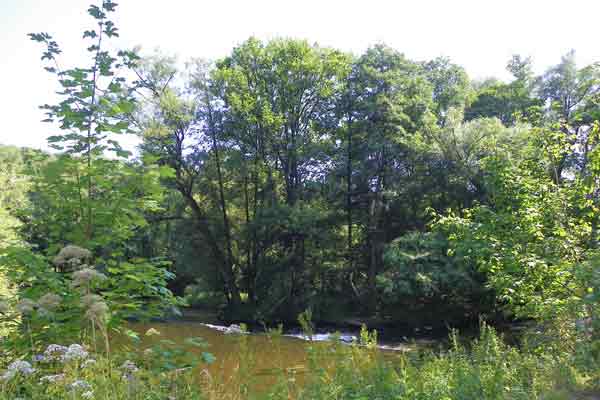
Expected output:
(45, 305)
(17, 367)
(56, 352)
(80, 385)
(52, 378)
(87, 395)
(26, 306)
(75, 352)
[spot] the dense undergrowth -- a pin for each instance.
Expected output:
(485, 368)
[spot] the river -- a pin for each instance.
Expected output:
(259, 355)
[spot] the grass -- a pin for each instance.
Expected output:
(486, 369)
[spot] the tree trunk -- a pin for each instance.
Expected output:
(231, 290)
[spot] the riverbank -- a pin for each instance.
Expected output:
(486, 369)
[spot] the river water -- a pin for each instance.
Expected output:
(259, 355)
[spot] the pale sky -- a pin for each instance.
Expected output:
(480, 35)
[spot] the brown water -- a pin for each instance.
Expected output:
(262, 357)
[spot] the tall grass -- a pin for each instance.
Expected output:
(486, 369)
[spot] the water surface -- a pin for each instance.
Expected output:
(263, 357)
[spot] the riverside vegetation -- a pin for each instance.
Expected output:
(289, 179)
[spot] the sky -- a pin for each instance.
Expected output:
(480, 35)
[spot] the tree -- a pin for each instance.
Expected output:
(279, 103)
(572, 97)
(392, 104)
(451, 87)
(509, 102)
(529, 238)
(176, 135)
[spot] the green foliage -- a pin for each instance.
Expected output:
(418, 272)
(80, 197)
(122, 196)
(488, 369)
(95, 376)
(13, 197)
(86, 300)
(287, 176)
(166, 356)
(529, 239)
(298, 166)
(451, 87)
(138, 288)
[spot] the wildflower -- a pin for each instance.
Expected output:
(25, 306)
(50, 301)
(148, 353)
(38, 358)
(72, 255)
(90, 299)
(75, 352)
(54, 352)
(17, 367)
(97, 312)
(87, 395)
(85, 276)
(80, 385)
(52, 378)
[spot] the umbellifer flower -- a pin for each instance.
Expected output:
(25, 306)
(97, 312)
(49, 302)
(52, 378)
(75, 352)
(38, 358)
(80, 385)
(90, 299)
(129, 366)
(152, 332)
(87, 395)
(17, 367)
(73, 255)
(85, 276)
(54, 352)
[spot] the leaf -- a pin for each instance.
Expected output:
(89, 34)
